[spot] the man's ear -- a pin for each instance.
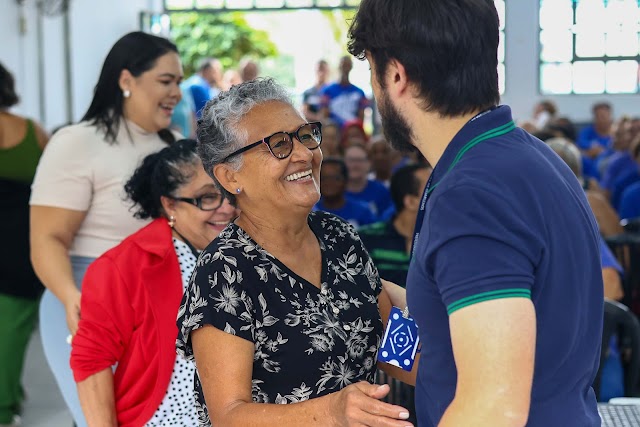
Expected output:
(226, 177)
(396, 78)
(126, 80)
(411, 202)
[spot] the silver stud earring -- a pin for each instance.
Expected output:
(172, 221)
(238, 191)
(126, 93)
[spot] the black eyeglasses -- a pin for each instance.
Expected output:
(281, 143)
(208, 202)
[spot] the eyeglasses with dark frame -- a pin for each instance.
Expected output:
(208, 202)
(280, 144)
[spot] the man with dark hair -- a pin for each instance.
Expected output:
(595, 139)
(389, 242)
(333, 186)
(511, 325)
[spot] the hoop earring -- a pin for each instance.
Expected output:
(172, 221)
(126, 93)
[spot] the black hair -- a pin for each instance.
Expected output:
(564, 126)
(601, 105)
(340, 162)
(8, 96)
(448, 49)
(136, 52)
(161, 174)
(404, 183)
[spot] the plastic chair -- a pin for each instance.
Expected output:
(618, 319)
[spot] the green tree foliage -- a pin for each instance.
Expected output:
(226, 36)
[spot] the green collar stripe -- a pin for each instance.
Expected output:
(486, 296)
(389, 255)
(499, 131)
(384, 266)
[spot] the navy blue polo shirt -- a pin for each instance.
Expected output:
(509, 219)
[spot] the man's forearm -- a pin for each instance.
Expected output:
(483, 412)
(97, 399)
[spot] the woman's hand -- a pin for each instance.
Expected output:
(72, 309)
(359, 405)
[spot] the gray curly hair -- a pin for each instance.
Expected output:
(218, 133)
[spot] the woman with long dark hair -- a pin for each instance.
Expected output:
(78, 207)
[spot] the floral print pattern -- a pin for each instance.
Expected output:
(240, 288)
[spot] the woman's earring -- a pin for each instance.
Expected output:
(238, 191)
(172, 221)
(126, 93)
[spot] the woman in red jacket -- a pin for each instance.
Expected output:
(123, 355)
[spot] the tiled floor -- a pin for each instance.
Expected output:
(44, 406)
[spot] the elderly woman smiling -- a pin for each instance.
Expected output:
(283, 305)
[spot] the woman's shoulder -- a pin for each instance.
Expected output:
(76, 137)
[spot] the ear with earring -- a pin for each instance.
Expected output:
(126, 93)
(172, 221)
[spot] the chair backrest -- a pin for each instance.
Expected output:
(620, 321)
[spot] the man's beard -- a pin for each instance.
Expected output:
(395, 128)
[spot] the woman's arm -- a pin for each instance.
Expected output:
(385, 304)
(225, 365)
(52, 232)
(97, 399)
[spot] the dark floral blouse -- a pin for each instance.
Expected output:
(308, 341)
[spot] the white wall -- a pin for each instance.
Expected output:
(97, 24)
(521, 68)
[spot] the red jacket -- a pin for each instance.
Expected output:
(129, 305)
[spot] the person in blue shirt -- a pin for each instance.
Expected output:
(333, 181)
(343, 101)
(504, 283)
(595, 139)
(312, 97)
(359, 187)
(630, 202)
(205, 84)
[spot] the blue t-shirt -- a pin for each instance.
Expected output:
(621, 163)
(510, 220)
(588, 137)
(354, 212)
(630, 202)
(624, 181)
(344, 102)
(375, 195)
(201, 92)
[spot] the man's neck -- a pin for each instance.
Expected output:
(404, 223)
(334, 203)
(344, 81)
(432, 133)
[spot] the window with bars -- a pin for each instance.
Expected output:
(589, 46)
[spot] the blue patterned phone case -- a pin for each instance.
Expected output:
(400, 342)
